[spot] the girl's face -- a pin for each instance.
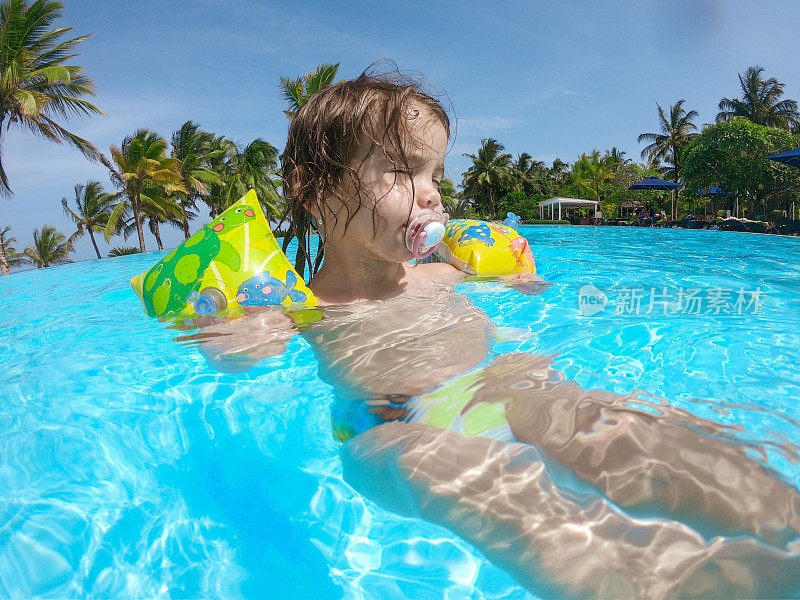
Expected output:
(387, 189)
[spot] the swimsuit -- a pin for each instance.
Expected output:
(440, 408)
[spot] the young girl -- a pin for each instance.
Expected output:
(364, 159)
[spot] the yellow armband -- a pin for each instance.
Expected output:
(481, 248)
(233, 262)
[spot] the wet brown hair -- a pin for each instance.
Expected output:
(327, 133)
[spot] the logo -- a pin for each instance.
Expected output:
(591, 300)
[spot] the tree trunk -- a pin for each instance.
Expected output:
(186, 233)
(96, 249)
(3, 179)
(138, 217)
(4, 268)
(157, 233)
(675, 191)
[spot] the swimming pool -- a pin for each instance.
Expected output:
(129, 468)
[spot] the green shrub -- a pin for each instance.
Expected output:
(123, 251)
(545, 222)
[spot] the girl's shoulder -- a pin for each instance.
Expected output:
(435, 271)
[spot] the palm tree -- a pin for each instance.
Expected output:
(559, 170)
(447, 190)
(676, 132)
(490, 172)
(589, 172)
(140, 160)
(525, 172)
(297, 91)
(252, 167)
(93, 210)
(159, 207)
(760, 102)
(615, 158)
(50, 247)
(13, 258)
(36, 87)
(193, 147)
(122, 251)
(454, 204)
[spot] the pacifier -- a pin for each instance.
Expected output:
(424, 233)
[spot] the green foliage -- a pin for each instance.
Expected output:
(527, 173)
(50, 247)
(12, 257)
(618, 191)
(615, 159)
(760, 102)
(141, 169)
(254, 166)
(447, 190)
(546, 222)
(676, 132)
(122, 251)
(93, 209)
(297, 91)
(459, 208)
(589, 174)
(511, 202)
(36, 87)
(733, 155)
(489, 176)
(194, 150)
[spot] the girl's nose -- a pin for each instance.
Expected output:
(428, 196)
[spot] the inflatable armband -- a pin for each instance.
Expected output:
(481, 248)
(232, 263)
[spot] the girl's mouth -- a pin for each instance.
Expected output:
(414, 228)
(424, 233)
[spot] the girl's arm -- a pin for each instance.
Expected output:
(238, 345)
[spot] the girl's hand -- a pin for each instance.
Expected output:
(527, 283)
(236, 346)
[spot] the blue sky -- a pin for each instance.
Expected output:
(546, 78)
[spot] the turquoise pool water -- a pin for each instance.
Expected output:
(129, 468)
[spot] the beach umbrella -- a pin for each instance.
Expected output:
(654, 183)
(713, 192)
(791, 158)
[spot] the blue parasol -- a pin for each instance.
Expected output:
(654, 183)
(714, 190)
(790, 157)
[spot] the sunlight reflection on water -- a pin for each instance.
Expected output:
(130, 468)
